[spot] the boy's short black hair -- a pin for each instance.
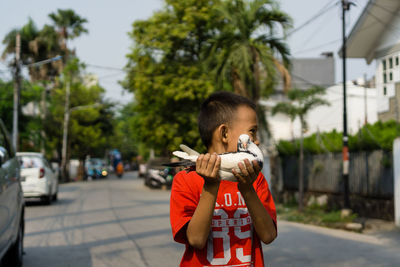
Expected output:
(219, 108)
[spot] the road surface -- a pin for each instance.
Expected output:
(120, 222)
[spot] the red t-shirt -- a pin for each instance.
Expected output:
(232, 241)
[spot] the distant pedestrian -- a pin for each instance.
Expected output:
(222, 222)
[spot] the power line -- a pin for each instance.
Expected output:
(324, 21)
(325, 9)
(104, 67)
(317, 47)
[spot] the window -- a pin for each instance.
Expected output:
(384, 78)
(390, 63)
(384, 90)
(390, 76)
(397, 61)
(384, 64)
(28, 162)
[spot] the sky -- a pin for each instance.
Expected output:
(104, 49)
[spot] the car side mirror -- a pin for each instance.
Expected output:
(3, 155)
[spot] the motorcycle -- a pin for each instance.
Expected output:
(119, 170)
(159, 178)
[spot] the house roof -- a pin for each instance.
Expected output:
(370, 27)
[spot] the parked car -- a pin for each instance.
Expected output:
(11, 204)
(38, 178)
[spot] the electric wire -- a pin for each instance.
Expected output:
(321, 12)
(317, 47)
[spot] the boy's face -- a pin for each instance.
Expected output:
(244, 122)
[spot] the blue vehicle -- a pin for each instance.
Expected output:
(96, 168)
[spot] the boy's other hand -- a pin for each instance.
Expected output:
(248, 174)
(207, 166)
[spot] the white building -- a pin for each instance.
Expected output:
(361, 104)
(376, 36)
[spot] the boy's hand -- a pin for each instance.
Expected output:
(207, 166)
(248, 174)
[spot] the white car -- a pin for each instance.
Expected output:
(38, 178)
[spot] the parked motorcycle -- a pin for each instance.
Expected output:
(159, 178)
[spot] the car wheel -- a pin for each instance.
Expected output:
(14, 256)
(47, 199)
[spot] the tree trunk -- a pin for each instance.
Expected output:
(238, 85)
(301, 176)
(287, 79)
(256, 75)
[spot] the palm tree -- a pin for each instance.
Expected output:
(28, 32)
(69, 24)
(36, 45)
(301, 102)
(246, 50)
(45, 46)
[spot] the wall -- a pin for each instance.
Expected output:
(370, 180)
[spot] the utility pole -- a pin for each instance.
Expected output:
(345, 152)
(17, 90)
(64, 151)
(365, 100)
(43, 117)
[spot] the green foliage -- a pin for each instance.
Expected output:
(69, 23)
(29, 125)
(180, 54)
(301, 102)
(314, 214)
(245, 47)
(123, 138)
(166, 75)
(379, 135)
(91, 117)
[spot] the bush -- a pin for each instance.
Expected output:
(379, 135)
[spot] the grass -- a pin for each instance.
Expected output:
(314, 214)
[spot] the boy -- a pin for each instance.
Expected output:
(222, 222)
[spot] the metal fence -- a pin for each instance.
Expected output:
(371, 173)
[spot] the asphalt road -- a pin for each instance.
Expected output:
(120, 222)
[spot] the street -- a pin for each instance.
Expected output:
(120, 222)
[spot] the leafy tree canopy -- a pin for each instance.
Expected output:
(166, 75)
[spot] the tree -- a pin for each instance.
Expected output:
(165, 72)
(90, 127)
(30, 124)
(301, 102)
(28, 32)
(124, 133)
(69, 25)
(245, 51)
(36, 45)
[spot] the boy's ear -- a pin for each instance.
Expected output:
(223, 133)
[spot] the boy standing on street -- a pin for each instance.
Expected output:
(222, 222)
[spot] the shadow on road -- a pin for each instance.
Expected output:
(59, 256)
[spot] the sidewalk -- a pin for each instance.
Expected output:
(383, 230)
(314, 246)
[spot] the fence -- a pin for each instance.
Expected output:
(371, 174)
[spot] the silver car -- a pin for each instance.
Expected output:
(11, 205)
(39, 180)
